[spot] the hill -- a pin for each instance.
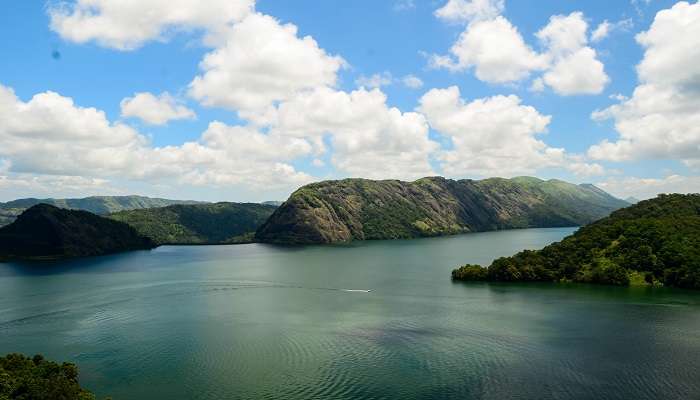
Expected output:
(360, 209)
(653, 242)
(36, 378)
(97, 205)
(217, 223)
(47, 232)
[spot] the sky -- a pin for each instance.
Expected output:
(245, 100)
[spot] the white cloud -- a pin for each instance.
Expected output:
(154, 110)
(368, 138)
(491, 136)
(470, 10)
(601, 32)
(50, 135)
(375, 81)
(495, 49)
(605, 28)
(127, 25)
(644, 188)
(575, 69)
(661, 119)
(412, 82)
(261, 62)
(499, 54)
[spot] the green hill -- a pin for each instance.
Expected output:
(653, 242)
(47, 232)
(36, 378)
(217, 223)
(97, 205)
(360, 209)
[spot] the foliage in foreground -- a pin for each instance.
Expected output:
(653, 242)
(35, 378)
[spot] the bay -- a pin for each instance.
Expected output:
(371, 320)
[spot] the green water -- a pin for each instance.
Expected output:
(256, 321)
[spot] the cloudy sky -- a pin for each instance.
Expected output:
(246, 100)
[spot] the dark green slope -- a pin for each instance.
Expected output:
(217, 223)
(654, 242)
(97, 205)
(360, 209)
(36, 378)
(48, 232)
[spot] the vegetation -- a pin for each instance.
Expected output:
(359, 209)
(97, 205)
(655, 242)
(48, 232)
(35, 378)
(198, 223)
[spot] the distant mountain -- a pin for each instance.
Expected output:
(47, 232)
(632, 200)
(275, 203)
(653, 242)
(215, 223)
(97, 205)
(359, 209)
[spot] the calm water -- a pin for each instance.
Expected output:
(256, 321)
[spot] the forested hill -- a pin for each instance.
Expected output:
(359, 209)
(96, 205)
(653, 242)
(47, 232)
(216, 223)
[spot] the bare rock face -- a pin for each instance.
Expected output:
(360, 209)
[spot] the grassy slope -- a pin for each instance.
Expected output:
(655, 241)
(96, 205)
(198, 223)
(359, 209)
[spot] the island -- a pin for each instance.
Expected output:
(654, 242)
(45, 232)
(362, 209)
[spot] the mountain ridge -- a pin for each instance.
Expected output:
(361, 209)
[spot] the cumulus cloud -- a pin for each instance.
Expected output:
(470, 10)
(50, 135)
(154, 110)
(661, 119)
(368, 138)
(491, 136)
(262, 61)
(127, 25)
(575, 68)
(644, 188)
(496, 51)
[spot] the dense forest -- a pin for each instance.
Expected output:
(45, 232)
(362, 209)
(100, 205)
(24, 378)
(654, 242)
(216, 223)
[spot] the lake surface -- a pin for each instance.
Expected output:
(258, 321)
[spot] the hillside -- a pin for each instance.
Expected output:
(97, 205)
(654, 242)
(360, 209)
(48, 232)
(37, 378)
(198, 223)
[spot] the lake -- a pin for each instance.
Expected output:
(373, 320)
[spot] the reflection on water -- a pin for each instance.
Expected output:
(361, 321)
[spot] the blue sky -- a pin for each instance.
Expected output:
(229, 139)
